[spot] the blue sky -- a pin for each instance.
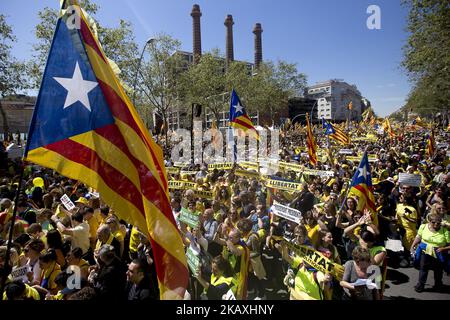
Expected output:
(326, 38)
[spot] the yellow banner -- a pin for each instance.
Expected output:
(358, 158)
(249, 165)
(173, 170)
(204, 194)
(188, 172)
(244, 173)
(220, 166)
(181, 164)
(290, 166)
(317, 260)
(180, 185)
(283, 185)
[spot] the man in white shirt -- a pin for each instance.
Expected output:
(79, 233)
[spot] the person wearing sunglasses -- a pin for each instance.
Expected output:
(431, 246)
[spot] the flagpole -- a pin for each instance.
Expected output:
(6, 266)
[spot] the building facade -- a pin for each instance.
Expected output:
(298, 107)
(333, 97)
(18, 111)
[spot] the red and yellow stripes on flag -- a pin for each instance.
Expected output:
(365, 196)
(339, 135)
(387, 128)
(126, 166)
(311, 143)
(242, 279)
(244, 123)
(431, 144)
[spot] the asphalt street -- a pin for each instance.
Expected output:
(400, 285)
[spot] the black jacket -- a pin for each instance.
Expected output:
(111, 280)
(142, 291)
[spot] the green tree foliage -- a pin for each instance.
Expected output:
(204, 83)
(158, 83)
(426, 55)
(268, 89)
(265, 90)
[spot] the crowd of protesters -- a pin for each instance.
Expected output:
(243, 247)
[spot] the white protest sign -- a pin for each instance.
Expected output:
(286, 212)
(413, 180)
(346, 151)
(68, 204)
(20, 273)
(229, 296)
(320, 173)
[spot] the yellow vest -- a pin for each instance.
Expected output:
(306, 286)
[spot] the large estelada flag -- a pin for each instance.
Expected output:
(239, 118)
(361, 185)
(335, 132)
(311, 143)
(85, 127)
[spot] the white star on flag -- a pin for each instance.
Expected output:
(238, 108)
(77, 88)
(362, 172)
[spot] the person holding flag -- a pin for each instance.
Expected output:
(85, 127)
(361, 187)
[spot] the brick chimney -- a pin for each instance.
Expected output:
(258, 44)
(229, 40)
(197, 40)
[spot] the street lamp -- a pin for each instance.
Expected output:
(149, 41)
(300, 114)
(312, 109)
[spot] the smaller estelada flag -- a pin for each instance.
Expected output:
(350, 105)
(239, 118)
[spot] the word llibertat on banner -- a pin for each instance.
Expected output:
(181, 185)
(283, 185)
(317, 260)
(286, 212)
(221, 166)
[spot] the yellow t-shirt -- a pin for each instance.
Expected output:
(404, 217)
(93, 226)
(437, 239)
(135, 240)
(119, 235)
(30, 293)
(51, 274)
(313, 234)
